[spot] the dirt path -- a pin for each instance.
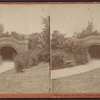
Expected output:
(6, 65)
(93, 64)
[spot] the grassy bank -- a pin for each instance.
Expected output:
(33, 80)
(88, 82)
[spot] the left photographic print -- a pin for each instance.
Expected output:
(24, 48)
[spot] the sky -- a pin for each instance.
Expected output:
(66, 18)
(70, 18)
(24, 19)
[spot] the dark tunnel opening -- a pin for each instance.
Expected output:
(94, 51)
(8, 53)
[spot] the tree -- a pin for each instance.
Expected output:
(41, 41)
(87, 31)
(17, 35)
(58, 40)
(89, 28)
(65, 49)
(6, 34)
(46, 38)
(35, 40)
(14, 35)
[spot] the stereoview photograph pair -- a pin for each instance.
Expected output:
(49, 48)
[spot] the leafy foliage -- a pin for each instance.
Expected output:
(17, 36)
(35, 40)
(21, 61)
(41, 41)
(25, 59)
(68, 50)
(46, 39)
(58, 40)
(34, 57)
(13, 34)
(82, 58)
(39, 48)
(60, 59)
(57, 59)
(87, 32)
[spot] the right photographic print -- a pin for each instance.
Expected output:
(75, 48)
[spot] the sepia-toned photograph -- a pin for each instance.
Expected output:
(24, 49)
(49, 48)
(75, 43)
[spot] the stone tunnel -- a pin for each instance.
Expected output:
(93, 44)
(10, 47)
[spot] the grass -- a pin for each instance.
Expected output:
(88, 82)
(33, 80)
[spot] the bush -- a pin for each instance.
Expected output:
(45, 56)
(33, 58)
(61, 59)
(25, 60)
(69, 60)
(82, 59)
(78, 50)
(21, 61)
(57, 59)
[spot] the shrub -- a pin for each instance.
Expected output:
(33, 58)
(44, 56)
(69, 60)
(26, 60)
(57, 59)
(61, 59)
(78, 50)
(82, 58)
(21, 61)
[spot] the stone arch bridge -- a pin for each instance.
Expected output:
(8, 45)
(91, 40)
(93, 44)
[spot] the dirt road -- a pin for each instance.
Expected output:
(6, 65)
(93, 64)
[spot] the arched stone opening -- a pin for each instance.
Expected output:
(94, 51)
(8, 53)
